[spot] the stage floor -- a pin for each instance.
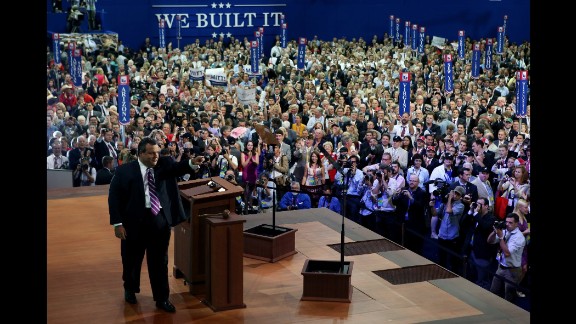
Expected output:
(84, 274)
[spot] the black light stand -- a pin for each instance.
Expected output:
(339, 168)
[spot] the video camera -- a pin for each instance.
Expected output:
(442, 189)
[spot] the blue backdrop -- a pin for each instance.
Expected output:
(135, 20)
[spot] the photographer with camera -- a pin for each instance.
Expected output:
(450, 214)
(384, 187)
(482, 254)
(208, 166)
(226, 161)
(352, 182)
(84, 174)
(367, 202)
(510, 242)
(412, 212)
(264, 192)
(444, 173)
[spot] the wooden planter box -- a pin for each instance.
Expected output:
(323, 281)
(269, 243)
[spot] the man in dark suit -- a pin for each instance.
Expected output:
(371, 153)
(105, 146)
(82, 150)
(335, 137)
(468, 120)
(104, 175)
(414, 206)
(144, 203)
(430, 161)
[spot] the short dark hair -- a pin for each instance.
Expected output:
(107, 159)
(515, 216)
(145, 141)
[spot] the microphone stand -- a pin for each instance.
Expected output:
(274, 210)
(339, 168)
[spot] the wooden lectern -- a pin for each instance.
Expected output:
(190, 253)
(224, 263)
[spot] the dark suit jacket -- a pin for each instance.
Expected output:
(433, 164)
(101, 150)
(103, 177)
(74, 157)
(126, 197)
(471, 189)
(416, 220)
(333, 139)
(433, 129)
(376, 155)
(473, 123)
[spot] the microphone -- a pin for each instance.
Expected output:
(225, 215)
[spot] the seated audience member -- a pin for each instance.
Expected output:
(295, 200)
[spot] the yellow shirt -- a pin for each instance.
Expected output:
(298, 129)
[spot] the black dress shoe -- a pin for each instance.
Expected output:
(130, 297)
(166, 305)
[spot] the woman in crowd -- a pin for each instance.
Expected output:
(408, 146)
(250, 160)
(515, 187)
(329, 170)
(313, 178)
(522, 210)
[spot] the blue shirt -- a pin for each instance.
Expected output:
(353, 182)
(266, 200)
(333, 205)
(368, 203)
(300, 201)
(450, 224)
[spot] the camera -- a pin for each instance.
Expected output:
(473, 205)
(368, 178)
(224, 151)
(229, 177)
(500, 224)
(442, 190)
(342, 156)
(268, 166)
(207, 158)
(133, 151)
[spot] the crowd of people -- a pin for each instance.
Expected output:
(453, 168)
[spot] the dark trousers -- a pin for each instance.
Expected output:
(385, 224)
(353, 208)
(150, 237)
(368, 222)
(447, 255)
(414, 234)
(481, 270)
